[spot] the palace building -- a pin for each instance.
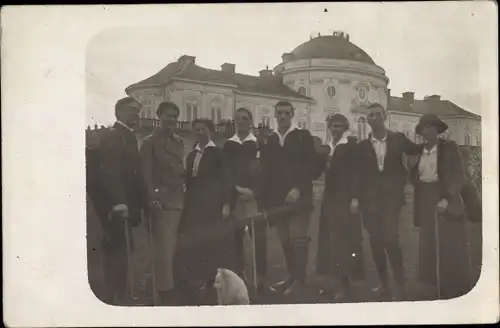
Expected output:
(327, 74)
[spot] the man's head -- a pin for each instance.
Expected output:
(168, 113)
(337, 124)
(430, 126)
(127, 111)
(243, 119)
(376, 116)
(284, 112)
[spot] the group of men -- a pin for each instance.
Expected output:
(291, 151)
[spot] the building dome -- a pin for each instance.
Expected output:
(335, 46)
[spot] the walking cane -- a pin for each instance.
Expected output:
(436, 237)
(151, 247)
(254, 258)
(130, 278)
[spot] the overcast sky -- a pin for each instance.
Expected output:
(426, 48)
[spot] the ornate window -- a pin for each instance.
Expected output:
(216, 114)
(331, 91)
(191, 110)
(362, 93)
(216, 110)
(302, 90)
(468, 138)
(362, 127)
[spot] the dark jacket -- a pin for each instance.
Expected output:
(242, 168)
(336, 224)
(121, 174)
(288, 167)
(202, 210)
(384, 191)
(163, 168)
(451, 175)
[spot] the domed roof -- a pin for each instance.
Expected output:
(331, 46)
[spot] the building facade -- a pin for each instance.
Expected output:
(325, 75)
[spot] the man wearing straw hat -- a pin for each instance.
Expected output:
(439, 176)
(121, 196)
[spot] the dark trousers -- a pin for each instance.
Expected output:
(358, 267)
(115, 258)
(383, 227)
(454, 267)
(260, 247)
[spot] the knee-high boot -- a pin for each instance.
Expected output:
(300, 253)
(288, 253)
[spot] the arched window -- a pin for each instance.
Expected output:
(216, 114)
(362, 127)
(266, 121)
(468, 138)
(331, 91)
(216, 110)
(191, 110)
(302, 90)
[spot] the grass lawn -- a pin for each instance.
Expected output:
(362, 293)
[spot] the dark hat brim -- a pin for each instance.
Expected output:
(440, 126)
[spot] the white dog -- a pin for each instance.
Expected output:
(231, 289)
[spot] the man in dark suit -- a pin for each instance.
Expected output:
(122, 193)
(286, 159)
(382, 178)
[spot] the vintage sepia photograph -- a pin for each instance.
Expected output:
(284, 163)
(250, 164)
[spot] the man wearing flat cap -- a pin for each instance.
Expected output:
(162, 155)
(439, 177)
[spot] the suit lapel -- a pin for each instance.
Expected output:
(389, 146)
(440, 154)
(372, 155)
(169, 144)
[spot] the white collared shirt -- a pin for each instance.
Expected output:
(199, 154)
(343, 140)
(427, 166)
(125, 125)
(380, 148)
(283, 137)
(249, 137)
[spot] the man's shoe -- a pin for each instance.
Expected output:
(400, 293)
(264, 287)
(296, 286)
(383, 290)
(284, 285)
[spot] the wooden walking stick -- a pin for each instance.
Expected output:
(130, 273)
(436, 237)
(153, 258)
(254, 257)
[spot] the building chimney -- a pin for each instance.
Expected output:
(228, 68)
(433, 97)
(266, 73)
(409, 96)
(286, 57)
(185, 59)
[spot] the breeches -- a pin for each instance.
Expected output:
(293, 229)
(164, 238)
